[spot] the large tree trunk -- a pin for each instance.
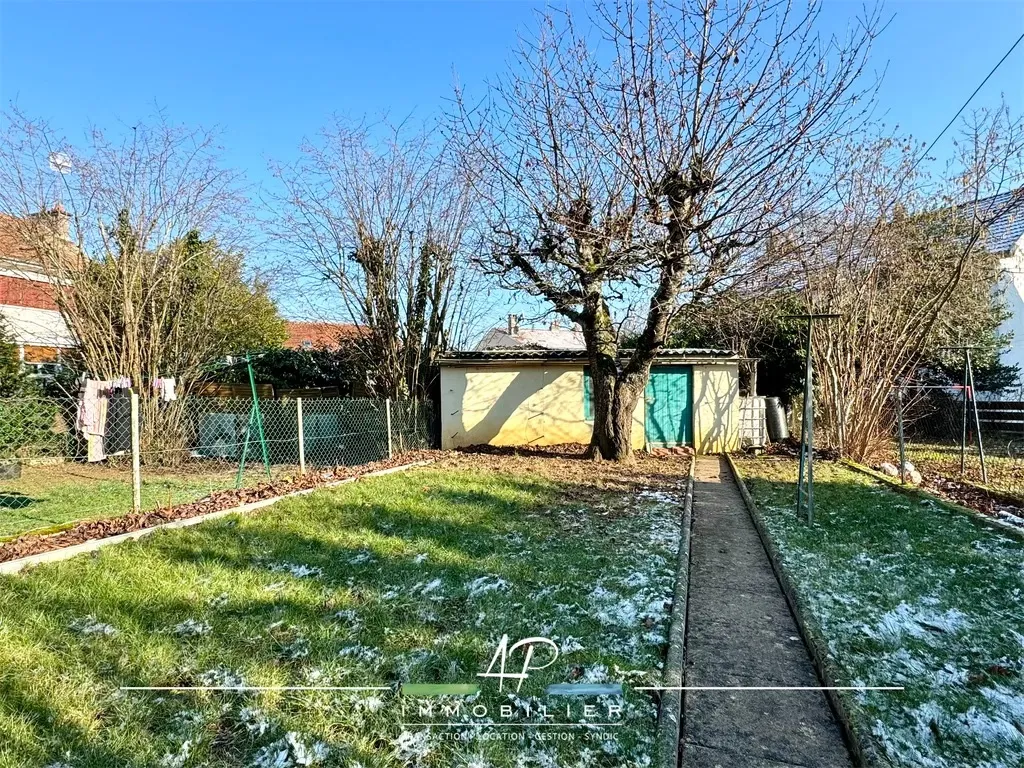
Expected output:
(615, 393)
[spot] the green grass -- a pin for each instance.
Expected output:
(408, 578)
(910, 593)
(54, 495)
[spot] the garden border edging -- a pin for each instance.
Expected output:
(864, 753)
(670, 713)
(918, 492)
(66, 553)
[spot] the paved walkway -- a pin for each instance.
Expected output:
(740, 633)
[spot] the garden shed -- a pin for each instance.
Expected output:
(543, 397)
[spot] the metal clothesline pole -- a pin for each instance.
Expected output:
(805, 478)
(969, 393)
(255, 419)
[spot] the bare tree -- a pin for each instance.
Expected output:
(648, 158)
(387, 221)
(139, 233)
(902, 257)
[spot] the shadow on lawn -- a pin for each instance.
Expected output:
(468, 525)
(15, 500)
(31, 704)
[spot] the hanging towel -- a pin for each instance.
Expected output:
(92, 417)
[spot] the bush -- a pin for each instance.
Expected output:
(31, 427)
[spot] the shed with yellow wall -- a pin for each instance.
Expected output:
(539, 397)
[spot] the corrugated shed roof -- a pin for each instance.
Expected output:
(515, 355)
(533, 338)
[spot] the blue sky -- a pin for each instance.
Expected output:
(269, 74)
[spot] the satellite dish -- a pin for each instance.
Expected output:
(59, 162)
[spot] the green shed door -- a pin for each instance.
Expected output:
(669, 416)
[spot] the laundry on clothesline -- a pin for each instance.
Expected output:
(164, 387)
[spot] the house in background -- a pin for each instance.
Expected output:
(1006, 240)
(319, 335)
(543, 397)
(27, 302)
(513, 336)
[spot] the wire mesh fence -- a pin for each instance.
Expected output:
(949, 434)
(64, 460)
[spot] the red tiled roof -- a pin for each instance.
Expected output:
(319, 335)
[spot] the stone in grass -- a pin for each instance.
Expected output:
(891, 470)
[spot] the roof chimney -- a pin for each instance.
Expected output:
(513, 325)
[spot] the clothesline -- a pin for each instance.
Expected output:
(106, 432)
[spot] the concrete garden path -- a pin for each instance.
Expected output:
(740, 633)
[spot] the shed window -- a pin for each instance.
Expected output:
(588, 396)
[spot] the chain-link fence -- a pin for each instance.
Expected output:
(63, 460)
(949, 434)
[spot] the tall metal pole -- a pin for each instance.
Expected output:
(903, 444)
(805, 480)
(258, 415)
(977, 420)
(807, 436)
(301, 435)
(136, 456)
(963, 419)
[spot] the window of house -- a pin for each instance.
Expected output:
(307, 344)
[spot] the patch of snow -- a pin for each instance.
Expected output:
(254, 720)
(486, 584)
(177, 759)
(290, 752)
(298, 570)
(570, 645)
(90, 625)
(296, 649)
(411, 746)
(221, 677)
(907, 621)
(192, 628)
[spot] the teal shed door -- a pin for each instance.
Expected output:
(669, 415)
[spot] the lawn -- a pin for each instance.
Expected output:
(409, 578)
(910, 593)
(51, 495)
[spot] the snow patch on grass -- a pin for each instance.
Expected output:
(91, 626)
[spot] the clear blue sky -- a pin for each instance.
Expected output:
(269, 74)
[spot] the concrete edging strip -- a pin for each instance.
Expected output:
(56, 555)
(670, 712)
(917, 492)
(863, 752)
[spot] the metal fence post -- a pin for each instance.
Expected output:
(302, 439)
(903, 442)
(136, 457)
(387, 421)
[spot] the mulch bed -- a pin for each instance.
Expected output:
(34, 544)
(989, 503)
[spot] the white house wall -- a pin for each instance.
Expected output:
(1012, 289)
(37, 327)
